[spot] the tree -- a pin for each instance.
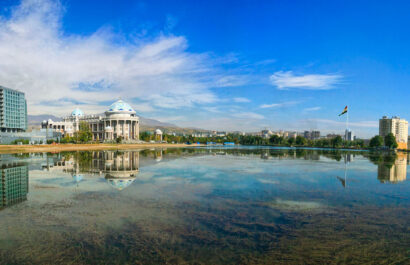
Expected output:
(359, 143)
(84, 133)
(390, 141)
(376, 141)
(337, 141)
(300, 140)
(146, 136)
(274, 139)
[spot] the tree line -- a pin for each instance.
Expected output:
(388, 141)
(274, 140)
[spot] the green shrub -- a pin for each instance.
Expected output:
(23, 141)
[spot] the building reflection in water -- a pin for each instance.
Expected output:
(158, 155)
(13, 183)
(393, 171)
(119, 168)
(348, 158)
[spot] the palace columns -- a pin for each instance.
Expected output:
(123, 129)
(117, 128)
(111, 134)
(133, 129)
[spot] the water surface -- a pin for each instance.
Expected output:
(205, 206)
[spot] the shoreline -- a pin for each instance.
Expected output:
(56, 148)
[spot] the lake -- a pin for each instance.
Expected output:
(245, 205)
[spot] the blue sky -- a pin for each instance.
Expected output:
(234, 65)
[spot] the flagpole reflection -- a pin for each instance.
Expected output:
(343, 181)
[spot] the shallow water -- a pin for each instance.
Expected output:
(205, 206)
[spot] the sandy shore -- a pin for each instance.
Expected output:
(12, 149)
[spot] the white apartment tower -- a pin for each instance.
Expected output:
(398, 127)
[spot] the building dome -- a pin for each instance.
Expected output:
(120, 107)
(120, 184)
(158, 131)
(78, 177)
(77, 112)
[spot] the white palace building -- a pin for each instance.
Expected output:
(120, 120)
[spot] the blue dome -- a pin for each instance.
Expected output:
(120, 106)
(78, 178)
(121, 184)
(77, 112)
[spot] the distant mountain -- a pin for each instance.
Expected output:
(34, 120)
(152, 123)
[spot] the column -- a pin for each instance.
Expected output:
(123, 129)
(117, 128)
(110, 133)
(132, 130)
(137, 129)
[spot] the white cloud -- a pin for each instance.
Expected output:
(222, 123)
(312, 109)
(248, 115)
(342, 124)
(40, 59)
(266, 62)
(284, 80)
(278, 105)
(212, 109)
(241, 100)
(169, 119)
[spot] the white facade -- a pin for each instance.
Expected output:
(158, 135)
(399, 128)
(349, 135)
(119, 121)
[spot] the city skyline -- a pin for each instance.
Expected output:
(212, 65)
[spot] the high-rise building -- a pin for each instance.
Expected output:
(13, 110)
(312, 135)
(315, 135)
(398, 127)
(13, 184)
(349, 136)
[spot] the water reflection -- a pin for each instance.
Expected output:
(13, 183)
(119, 168)
(392, 169)
(208, 206)
(348, 158)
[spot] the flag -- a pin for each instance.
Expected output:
(344, 111)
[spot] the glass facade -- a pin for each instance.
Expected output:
(13, 185)
(13, 110)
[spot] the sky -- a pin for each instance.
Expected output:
(218, 65)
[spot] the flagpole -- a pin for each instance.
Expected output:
(347, 120)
